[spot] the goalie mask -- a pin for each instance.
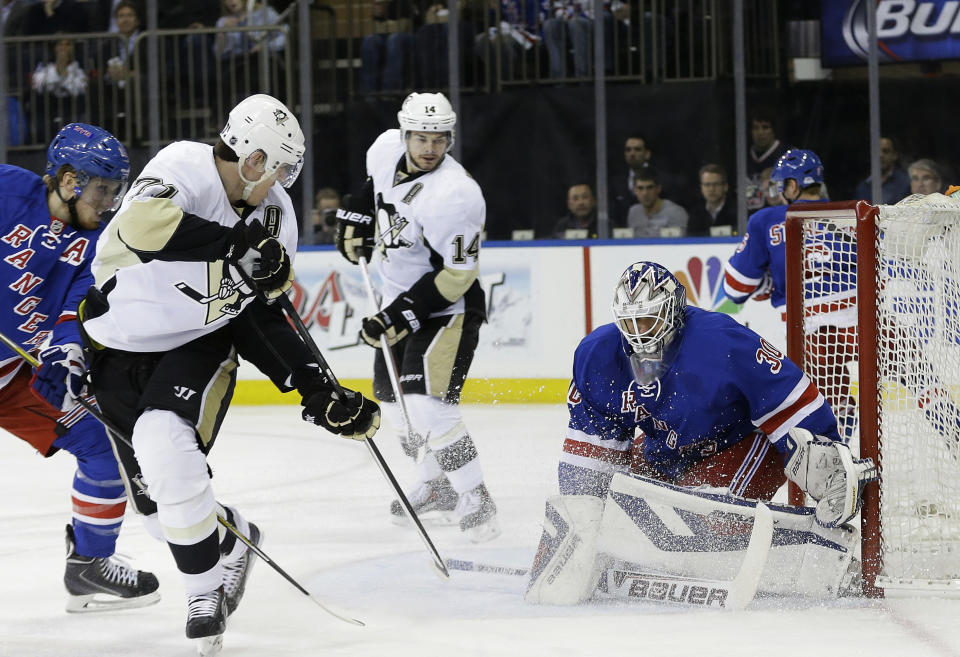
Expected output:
(266, 136)
(649, 307)
(427, 113)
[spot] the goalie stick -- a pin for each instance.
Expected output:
(95, 412)
(634, 585)
(413, 439)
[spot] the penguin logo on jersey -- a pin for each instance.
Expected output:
(390, 226)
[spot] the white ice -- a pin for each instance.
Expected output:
(322, 504)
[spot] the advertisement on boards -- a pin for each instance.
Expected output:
(907, 30)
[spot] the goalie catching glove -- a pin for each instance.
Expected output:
(827, 472)
(351, 416)
(261, 257)
(396, 321)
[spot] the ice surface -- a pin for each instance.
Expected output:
(322, 504)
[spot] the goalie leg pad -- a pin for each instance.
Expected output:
(565, 569)
(704, 534)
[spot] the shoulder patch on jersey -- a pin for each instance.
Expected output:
(272, 215)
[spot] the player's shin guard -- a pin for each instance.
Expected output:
(98, 507)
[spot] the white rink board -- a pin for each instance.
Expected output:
(536, 302)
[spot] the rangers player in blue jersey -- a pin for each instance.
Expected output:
(48, 228)
(691, 397)
(757, 270)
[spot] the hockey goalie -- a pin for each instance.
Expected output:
(683, 425)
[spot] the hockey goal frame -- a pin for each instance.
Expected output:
(865, 216)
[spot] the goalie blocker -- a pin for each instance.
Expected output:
(652, 540)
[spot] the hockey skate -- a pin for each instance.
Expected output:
(236, 572)
(105, 583)
(478, 515)
(207, 621)
(433, 500)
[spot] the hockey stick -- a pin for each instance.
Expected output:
(260, 553)
(93, 410)
(616, 583)
(438, 564)
(414, 439)
(112, 428)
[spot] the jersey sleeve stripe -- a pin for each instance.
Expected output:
(779, 423)
(610, 457)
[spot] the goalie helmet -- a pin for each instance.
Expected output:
(261, 123)
(427, 113)
(803, 166)
(93, 153)
(649, 307)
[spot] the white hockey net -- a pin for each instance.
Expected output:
(916, 281)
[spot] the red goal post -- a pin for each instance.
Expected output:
(873, 318)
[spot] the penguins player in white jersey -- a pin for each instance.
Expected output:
(425, 243)
(185, 278)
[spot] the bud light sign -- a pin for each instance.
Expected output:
(907, 30)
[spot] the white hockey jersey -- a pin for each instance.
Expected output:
(425, 221)
(158, 305)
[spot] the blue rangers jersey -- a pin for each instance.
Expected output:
(829, 253)
(725, 383)
(46, 267)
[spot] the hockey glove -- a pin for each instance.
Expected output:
(764, 288)
(262, 257)
(355, 234)
(352, 416)
(396, 321)
(59, 379)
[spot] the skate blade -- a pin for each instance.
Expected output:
(430, 518)
(100, 602)
(209, 645)
(483, 533)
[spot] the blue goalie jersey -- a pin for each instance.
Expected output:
(725, 383)
(46, 265)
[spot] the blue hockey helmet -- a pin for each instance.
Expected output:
(95, 154)
(802, 165)
(649, 307)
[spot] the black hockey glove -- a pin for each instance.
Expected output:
(355, 234)
(261, 256)
(351, 416)
(396, 321)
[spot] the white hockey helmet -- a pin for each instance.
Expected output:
(427, 113)
(261, 123)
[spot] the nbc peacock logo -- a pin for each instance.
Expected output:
(704, 284)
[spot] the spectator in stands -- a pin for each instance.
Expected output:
(581, 212)
(716, 210)
(386, 54)
(895, 182)
(653, 214)
(325, 204)
(127, 21)
(430, 41)
(636, 156)
(62, 77)
(53, 16)
(13, 15)
(925, 177)
(765, 150)
(237, 44)
(573, 19)
(509, 35)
